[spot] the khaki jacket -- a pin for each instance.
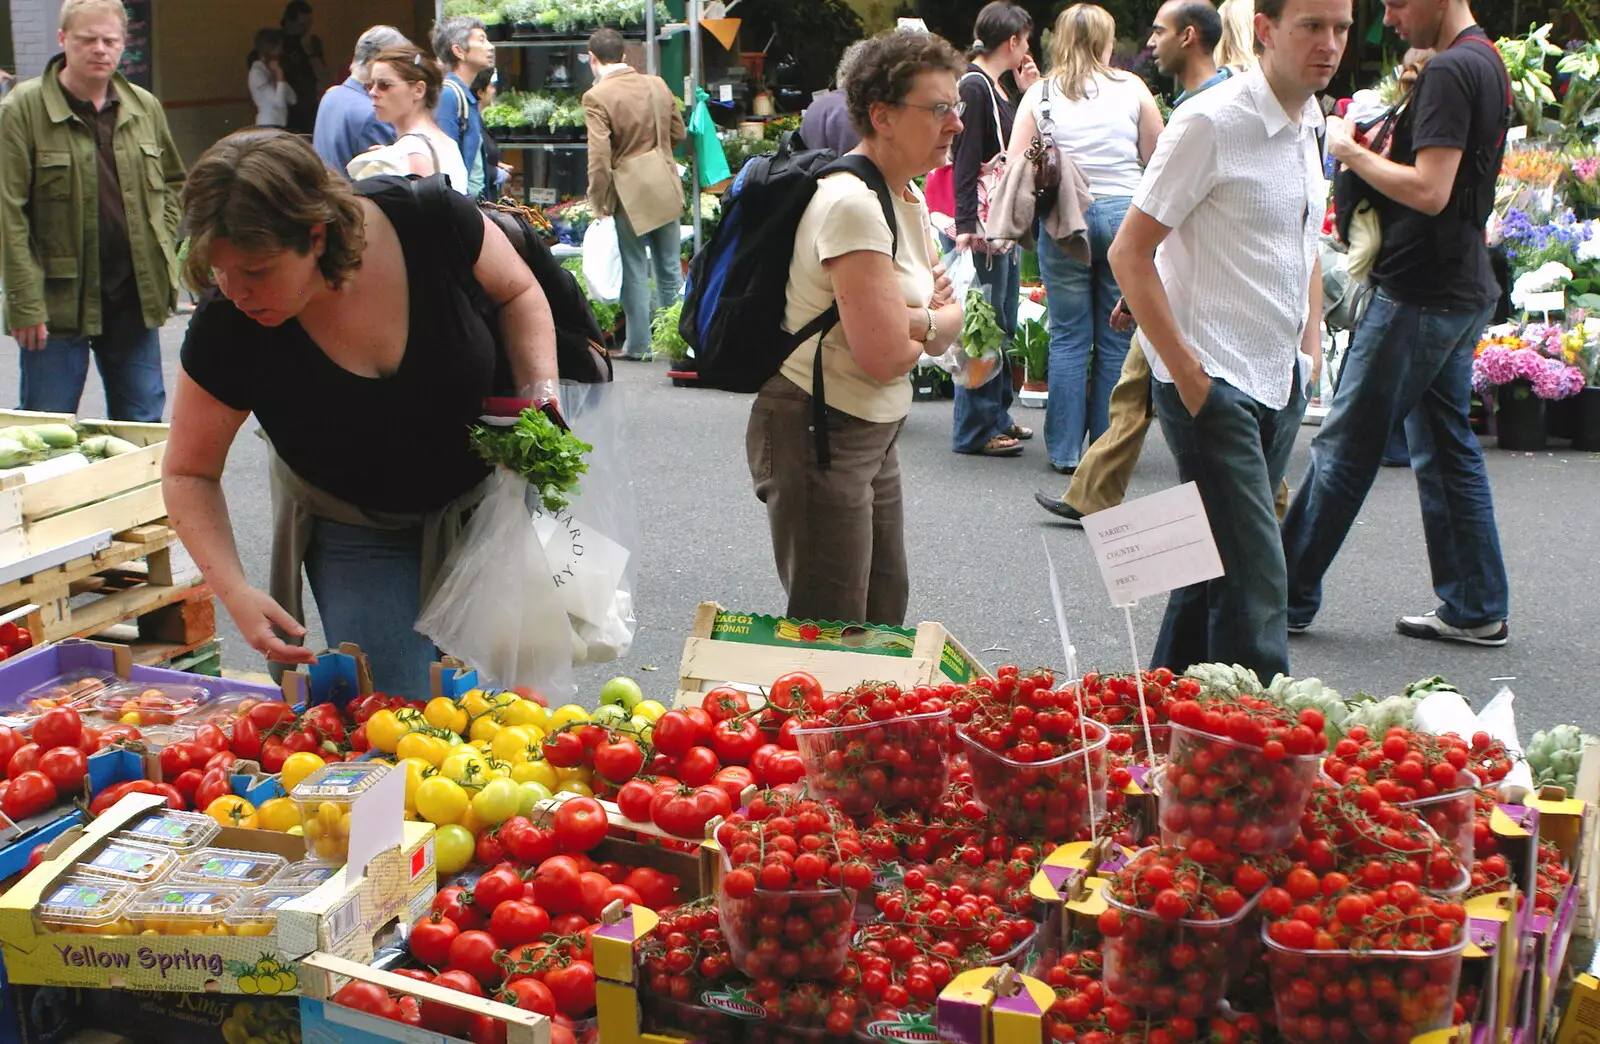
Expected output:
(1012, 214)
(49, 206)
(622, 112)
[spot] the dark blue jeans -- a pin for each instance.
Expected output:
(1416, 363)
(1086, 354)
(368, 587)
(1236, 450)
(129, 359)
(984, 412)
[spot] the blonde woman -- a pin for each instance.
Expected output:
(1107, 122)
(1237, 49)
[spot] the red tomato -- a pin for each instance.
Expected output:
(302, 741)
(594, 885)
(120, 732)
(176, 760)
(795, 689)
(66, 767)
(496, 887)
(735, 743)
(563, 749)
(91, 741)
(214, 783)
(732, 781)
(786, 733)
(698, 766)
(530, 995)
(30, 793)
(573, 988)
(208, 740)
(246, 739)
(223, 759)
(273, 755)
(431, 938)
(358, 739)
(656, 889)
(634, 800)
(618, 761)
(473, 952)
(174, 796)
(785, 767)
(485, 1029)
(324, 722)
(517, 922)
(188, 784)
(36, 856)
(620, 892)
(674, 733)
(579, 824)
(702, 725)
(441, 1018)
(527, 843)
(419, 974)
(270, 713)
(10, 742)
(368, 997)
(60, 727)
(724, 702)
(557, 885)
(26, 759)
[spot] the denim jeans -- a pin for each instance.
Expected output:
(1236, 450)
(1416, 363)
(984, 412)
(665, 263)
(368, 587)
(128, 356)
(1085, 352)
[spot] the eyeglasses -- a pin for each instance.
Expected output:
(940, 109)
(379, 86)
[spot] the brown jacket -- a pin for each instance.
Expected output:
(623, 112)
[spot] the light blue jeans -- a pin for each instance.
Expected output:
(1085, 352)
(368, 587)
(128, 356)
(984, 412)
(639, 306)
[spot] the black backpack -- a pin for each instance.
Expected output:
(736, 295)
(579, 357)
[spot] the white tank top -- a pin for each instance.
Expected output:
(1100, 132)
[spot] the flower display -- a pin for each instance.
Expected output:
(1541, 354)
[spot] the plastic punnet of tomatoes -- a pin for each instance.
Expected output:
(76, 688)
(1055, 797)
(1369, 995)
(256, 912)
(326, 799)
(1243, 796)
(223, 710)
(1355, 831)
(181, 831)
(1127, 745)
(892, 762)
(1177, 932)
(87, 905)
(1425, 773)
(138, 704)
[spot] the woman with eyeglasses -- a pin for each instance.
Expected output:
(405, 88)
(1107, 122)
(838, 528)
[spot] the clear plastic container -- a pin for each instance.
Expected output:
(181, 831)
(309, 873)
(222, 710)
(88, 905)
(1452, 815)
(178, 909)
(1407, 993)
(1177, 967)
(230, 867)
(1268, 796)
(134, 863)
(326, 798)
(1127, 742)
(1055, 798)
(825, 915)
(75, 688)
(894, 763)
(139, 704)
(256, 912)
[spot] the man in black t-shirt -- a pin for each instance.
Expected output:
(1411, 356)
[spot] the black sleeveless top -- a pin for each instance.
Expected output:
(396, 443)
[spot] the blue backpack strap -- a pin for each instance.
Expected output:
(863, 168)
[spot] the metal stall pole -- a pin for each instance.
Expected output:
(695, 72)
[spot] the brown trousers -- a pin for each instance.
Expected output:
(838, 533)
(1103, 474)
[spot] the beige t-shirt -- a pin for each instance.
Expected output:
(845, 216)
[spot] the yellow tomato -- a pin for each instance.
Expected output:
(424, 747)
(578, 773)
(485, 728)
(443, 713)
(278, 814)
(384, 730)
(416, 771)
(567, 714)
(498, 769)
(523, 712)
(511, 743)
(497, 802)
(470, 820)
(297, 767)
(573, 786)
(232, 810)
(441, 801)
(649, 710)
(539, 772)
(476, 702)
(453, 847)
(467, 766)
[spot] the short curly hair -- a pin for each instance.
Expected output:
(884, 69)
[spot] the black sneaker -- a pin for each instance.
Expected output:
(1298, 628)
(1429, 626)
(1060, 508)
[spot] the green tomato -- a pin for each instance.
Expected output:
(529, 795)
(613, 714)
(622, 691)
(497, 801)
(453, 847)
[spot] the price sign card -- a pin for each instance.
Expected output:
(1153, 545)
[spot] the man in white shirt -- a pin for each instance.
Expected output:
(1217, 259)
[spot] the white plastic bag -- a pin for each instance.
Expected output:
(602, 260)
(496, 605)
(966, 370)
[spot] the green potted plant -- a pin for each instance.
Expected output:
(504, 120)
(522, 16)
(1030, 349)
(495, 26)
(566, 122)
(665, 340)
(538, 109)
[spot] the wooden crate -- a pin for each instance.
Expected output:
(48, 521)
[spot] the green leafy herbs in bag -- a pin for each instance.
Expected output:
(547, 456)
(980, 332)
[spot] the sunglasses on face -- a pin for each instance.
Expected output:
(379, 86)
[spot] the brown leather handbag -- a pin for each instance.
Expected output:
(1045, 157)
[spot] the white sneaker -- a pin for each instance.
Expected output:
(1430, 626)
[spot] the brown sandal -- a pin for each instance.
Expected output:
(1001, 446)
(1017, 431)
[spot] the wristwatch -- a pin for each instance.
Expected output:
(933, 326)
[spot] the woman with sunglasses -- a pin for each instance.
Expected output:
(838, 527)
(405, 88)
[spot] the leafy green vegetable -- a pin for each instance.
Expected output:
(1031, 348)
(547, 456)
(1554, 756)
(664, 336)
(980, 333)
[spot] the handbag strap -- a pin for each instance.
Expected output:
(1046, 125)
(994, 102)
(432, 152)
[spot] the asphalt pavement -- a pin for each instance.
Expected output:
(977, 562)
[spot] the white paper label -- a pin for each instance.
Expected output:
(543, 196)
(377, 822)
(725, 92)
(1554, 301)
(1153, 545)
(585, 564)
(1516, 134)
(911, 25)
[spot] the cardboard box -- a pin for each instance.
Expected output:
(323, 1022)
(751, 651)
(193, 1018)
(340, 917)
(993, 1006)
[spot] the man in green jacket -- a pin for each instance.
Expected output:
(89, 208)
